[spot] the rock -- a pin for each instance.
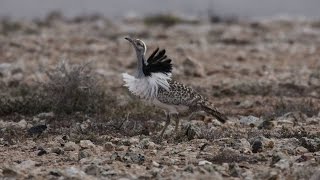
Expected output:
(267, 124)
(144, 143)
(257, 146)
(243, 145)
(93, 169)
(42, 152)
(26, 165)
(277, 156)
(9, 173)
(301, 150)
(37, 130)
(204, 162)
(283, 164)
(57, 150)
(22, 124)
(189, 168)
(115, 156)
(260, 143)
(134, 158)
(305, 157)
(86, 144)
(71, 146)
(251, 121)
(193, 67)
(120, 148)
(108, 146)
(235, 170)
(134, 141)
(46, 115)
(75, 173)
(313, 145)
(55, 173)
(155, 164)
(192, 131)
(315, 175)
(85, 153)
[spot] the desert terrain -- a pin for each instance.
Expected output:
(64, 113)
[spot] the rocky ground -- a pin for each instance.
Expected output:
(65, 115)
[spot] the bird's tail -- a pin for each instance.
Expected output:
(210, 109)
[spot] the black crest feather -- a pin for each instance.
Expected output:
(157, 62)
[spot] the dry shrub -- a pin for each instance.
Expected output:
(166, 20)
(70, 89)
(305, 106)
(23, 100)
(73, 88)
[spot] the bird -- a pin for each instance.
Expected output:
(153, 83)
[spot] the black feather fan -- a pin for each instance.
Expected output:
(157, 62)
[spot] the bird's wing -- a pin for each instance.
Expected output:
(180, 94)
(158, 62)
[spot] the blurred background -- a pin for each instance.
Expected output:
(115, 8)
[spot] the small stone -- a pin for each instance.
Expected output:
(315, 175)
(133, 141)
(276, 157)
(257, 146)
(134, 157)
(251, 121)
(192, 131)
(283, 164)
(86, 144)
(37, 130)
(120, 148)
(42, 152)
(109, 146)
(85, 153)
(151, 145)
(144, 143)
(71, 146)
(155, 164)
(189, 168)
(57, 150)
(204, 162)
(115, 156)
(9, 173)
(46, 115)
(28, 164)
(74, 173)
(235, 170)
(301, 150)
(313, 145)
(304, 157)
(22, 124)
(93, 170)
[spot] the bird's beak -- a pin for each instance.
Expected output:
(130, 40)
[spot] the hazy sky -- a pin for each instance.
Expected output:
(118, 8)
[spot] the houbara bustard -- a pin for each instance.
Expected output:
(152, 82)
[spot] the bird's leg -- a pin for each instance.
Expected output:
(177, 124)
(166, 125)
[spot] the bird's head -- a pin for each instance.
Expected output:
(138, 45)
